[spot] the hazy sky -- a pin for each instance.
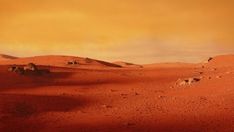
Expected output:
(140, 31)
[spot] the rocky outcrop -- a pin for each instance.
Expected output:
(16, 69)
(30, 69)
(187, 81)
(88, 60)
(74, 62)
(210, 59)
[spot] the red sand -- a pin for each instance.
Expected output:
(101, 97)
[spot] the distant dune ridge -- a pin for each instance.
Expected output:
(127, 64)
(58, 60)
(7, 57)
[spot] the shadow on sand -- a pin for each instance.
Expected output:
(17, 110)
(190, 124)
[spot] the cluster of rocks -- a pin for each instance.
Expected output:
(187, 81)
(73, 62)
(16, 69)
(191, 80)
(212, 74)
(31, 68)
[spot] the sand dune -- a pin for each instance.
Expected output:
(95, 97)
(127, 64)
(60, 61)
(4, 57)
(222, 61)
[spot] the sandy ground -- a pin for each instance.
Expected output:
(105, 98)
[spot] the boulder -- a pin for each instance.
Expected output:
(16, 69)
(210, 59)
(30, 67)
(12, 68)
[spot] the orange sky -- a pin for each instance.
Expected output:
(140, 31)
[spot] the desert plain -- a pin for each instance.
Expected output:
(94, 95)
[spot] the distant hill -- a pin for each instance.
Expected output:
(61, 61)
(6, 57)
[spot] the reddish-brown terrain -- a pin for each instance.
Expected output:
(117, 97)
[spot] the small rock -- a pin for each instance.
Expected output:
(218, 76)
(203, 98)
(113, 90)
(183, 83)
(129, 124)
(136, 93)
(106, 106)
(210, 59)
(73, 62)
(200, 72)
(213, 69)
(161, 96)
(31, 67)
